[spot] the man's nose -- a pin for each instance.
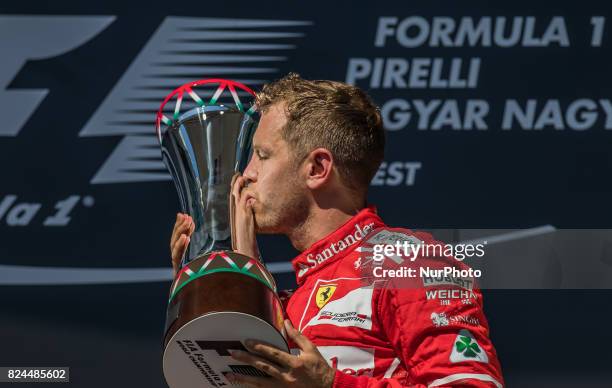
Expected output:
(250, 172)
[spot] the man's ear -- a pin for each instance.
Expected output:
(319, 165)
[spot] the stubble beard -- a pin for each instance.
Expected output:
(282, 212)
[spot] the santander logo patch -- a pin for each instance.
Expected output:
(336, 247)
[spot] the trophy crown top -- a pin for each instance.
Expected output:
(198, 92)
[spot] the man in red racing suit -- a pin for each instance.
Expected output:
(385, 336)
(316, 148)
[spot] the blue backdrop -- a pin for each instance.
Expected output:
(498, 116)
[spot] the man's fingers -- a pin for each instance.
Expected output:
(176, 249)
(258, 362)
(176, 231)
(237, 187)
(297, 337)
(191, 227)
(185, 226)
(241, 200)
(179, 249)
(271, 353)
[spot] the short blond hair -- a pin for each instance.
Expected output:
(332, 115)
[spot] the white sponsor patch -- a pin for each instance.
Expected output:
(450, 294)
(385, 238)
(353, 309)
(439, 319)
(466, 348)
(467, 283)
(388, 237)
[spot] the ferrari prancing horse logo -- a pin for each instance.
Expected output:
(324, 294)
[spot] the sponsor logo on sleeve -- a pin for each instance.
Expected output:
(466, 348)
(467, 283)
(442, 319)
(439, 319)
(446, 295)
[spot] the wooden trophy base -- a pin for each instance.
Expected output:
(217, 302)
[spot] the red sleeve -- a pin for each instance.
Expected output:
(440, 345)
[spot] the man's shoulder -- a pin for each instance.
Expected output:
(389, 235)
(410, 255)
(419, 244)
(400, 245)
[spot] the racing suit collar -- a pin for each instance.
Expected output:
(337, 244)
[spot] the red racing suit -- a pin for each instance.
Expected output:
(433, 335)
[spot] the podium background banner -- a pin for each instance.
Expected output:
(498, 116)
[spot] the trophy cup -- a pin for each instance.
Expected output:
(219, 298)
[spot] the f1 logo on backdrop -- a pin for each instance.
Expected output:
(20, 41)
(181, 49)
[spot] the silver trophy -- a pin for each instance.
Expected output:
(219, 298)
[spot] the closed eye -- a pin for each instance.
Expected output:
(260, 155)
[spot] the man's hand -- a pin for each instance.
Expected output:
(245, 241)
(181, 235)
(308, 370)
(244, 220)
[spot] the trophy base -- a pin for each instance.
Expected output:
(198, 355)
(217, 302)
